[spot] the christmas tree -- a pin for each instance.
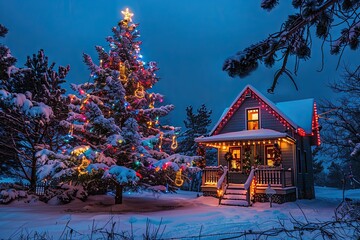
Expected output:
(114, 124)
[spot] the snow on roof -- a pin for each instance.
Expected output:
(243, 135)
(300, 111)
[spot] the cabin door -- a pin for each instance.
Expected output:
(235, 165)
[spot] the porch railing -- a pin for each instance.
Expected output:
(276, 177)
(211, 175)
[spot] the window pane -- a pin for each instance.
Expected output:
(253, 125)
(253, 119)
(253, 114)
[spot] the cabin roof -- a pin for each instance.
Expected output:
(297, 113)
(300, 111)
(258, 134)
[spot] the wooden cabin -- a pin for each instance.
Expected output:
(264, 149)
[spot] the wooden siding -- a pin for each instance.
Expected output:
(305, 176)
(221, 157)
(287, 155)
(238, 120)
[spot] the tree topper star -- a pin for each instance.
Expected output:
(127, 14)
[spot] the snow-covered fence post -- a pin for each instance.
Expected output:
(270, 192)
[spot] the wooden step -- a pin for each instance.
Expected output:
(236, 185)
(230, 202)
(235, 191)
(235, 196)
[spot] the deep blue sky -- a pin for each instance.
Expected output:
(188, 39)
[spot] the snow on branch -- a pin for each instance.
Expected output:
(122, 175)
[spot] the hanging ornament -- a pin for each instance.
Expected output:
(161, 140)
(174, 143)
(178, 179)
(122, 72)
(101, 62)
(127, 14)
(139, 92)
(84, 164)
(151, 105)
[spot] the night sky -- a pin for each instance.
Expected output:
(188, 39)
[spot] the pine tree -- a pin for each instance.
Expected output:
(31, 107)
(334, 22)
(196, 125)
(114, 124)
(335, 175)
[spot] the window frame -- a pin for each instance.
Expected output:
(247, 118)
(265, 153)
(231, 149)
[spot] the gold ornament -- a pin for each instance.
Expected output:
(84, 164)
(174, 143)
(139, 92)
(122, 71)
(151, 105)
(127, 14)
(178, 180)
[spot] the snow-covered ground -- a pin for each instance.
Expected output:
(183, 215)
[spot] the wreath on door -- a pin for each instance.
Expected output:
(228, 156)
(277, 155)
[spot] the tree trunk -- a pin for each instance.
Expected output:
(118, 194)
(33, 174)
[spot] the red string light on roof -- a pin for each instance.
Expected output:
(315, 125)
(262, 104)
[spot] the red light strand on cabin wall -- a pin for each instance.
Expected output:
(315, 124)
(262, 104)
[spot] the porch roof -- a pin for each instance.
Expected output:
(259, 134)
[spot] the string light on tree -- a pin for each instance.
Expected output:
(161, 140)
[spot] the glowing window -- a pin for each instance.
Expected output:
(235, 163)
(252, 119)
(270, 155)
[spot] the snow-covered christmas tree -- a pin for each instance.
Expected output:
(114, 124)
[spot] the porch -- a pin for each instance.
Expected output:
(215, 181)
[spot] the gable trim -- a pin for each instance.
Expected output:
(264, 104)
